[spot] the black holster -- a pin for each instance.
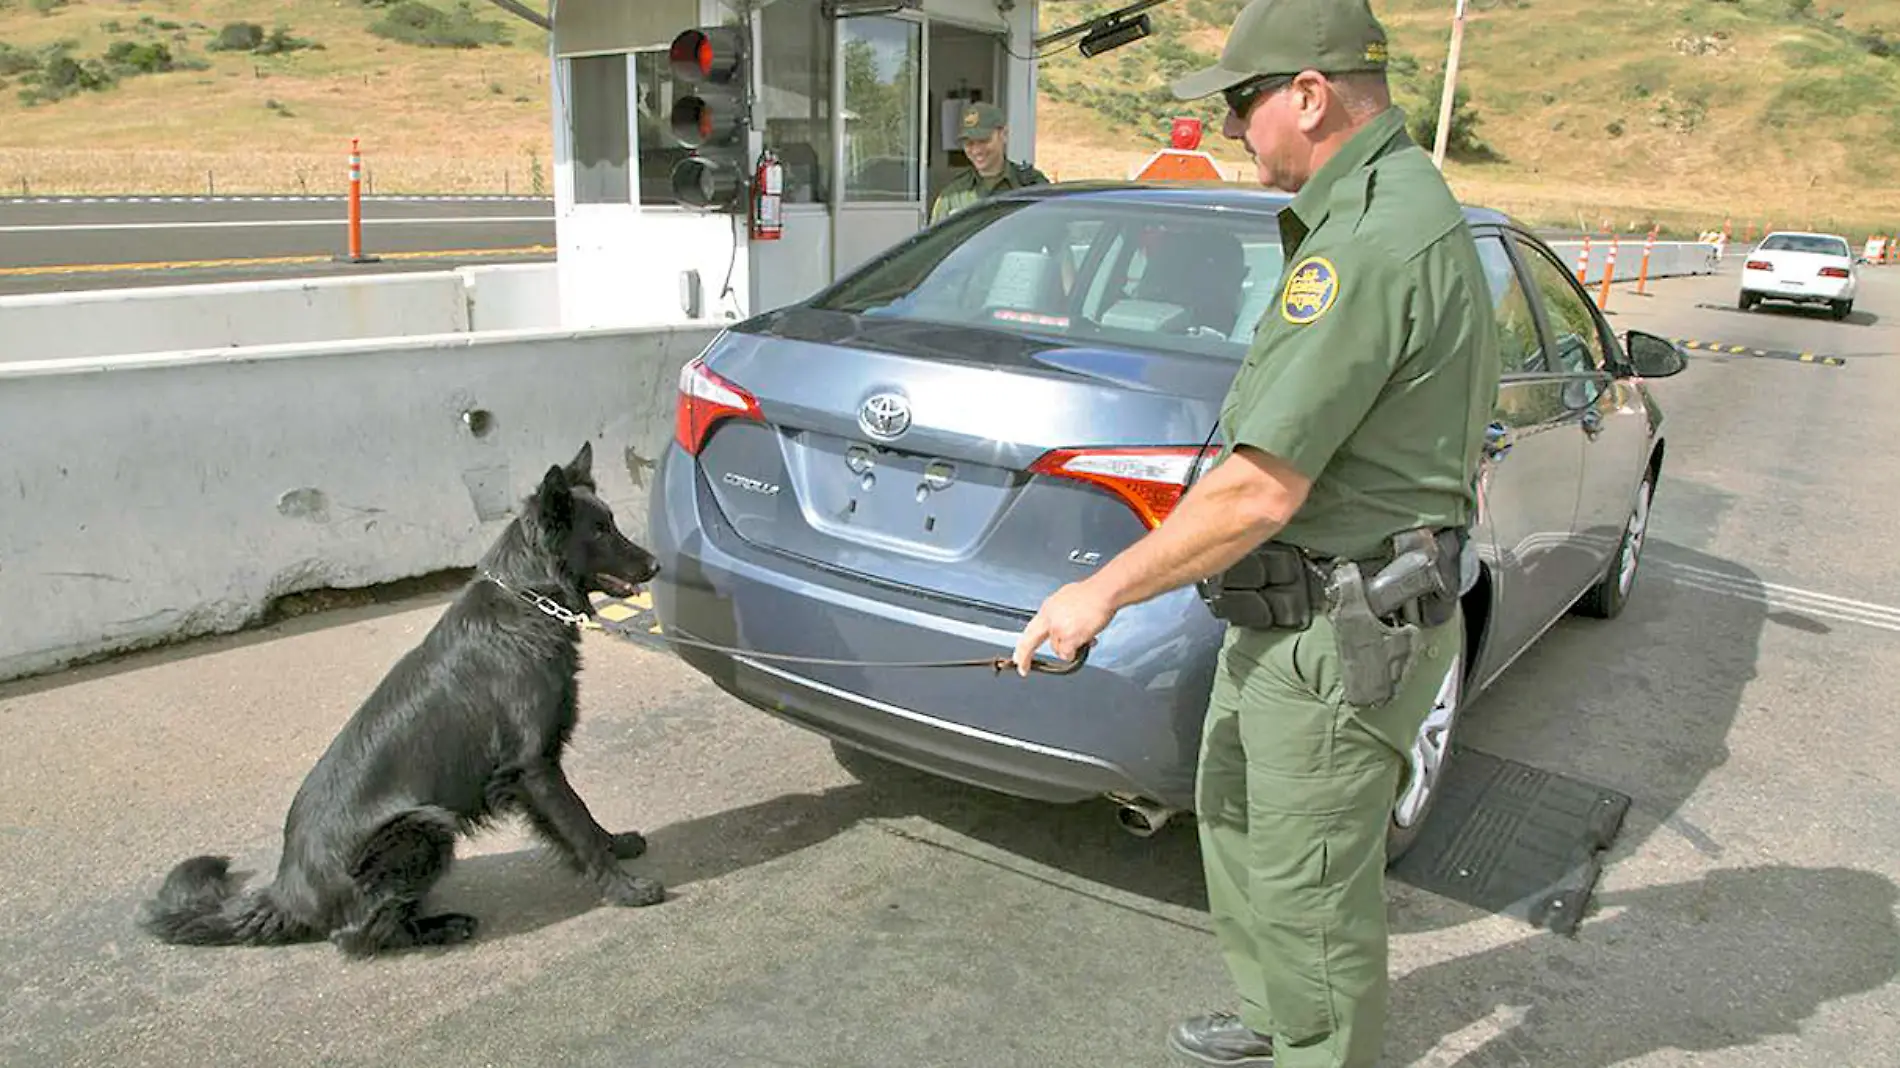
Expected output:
(1436, 608)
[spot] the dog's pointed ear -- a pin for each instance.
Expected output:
(580, 471)
(555, 499)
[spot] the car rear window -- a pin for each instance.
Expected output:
(1827, 246)
(1083, 269)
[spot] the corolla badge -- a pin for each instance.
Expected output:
(884, 415)
(752, 484)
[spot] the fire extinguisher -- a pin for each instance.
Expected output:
(768, 198)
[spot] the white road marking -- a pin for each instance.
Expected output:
(239, 224)
(1784, 598)
(1771, 595)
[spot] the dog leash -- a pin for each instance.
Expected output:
(550, 607)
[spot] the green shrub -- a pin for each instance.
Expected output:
(133, 57)
(238, 37)
(416, 23)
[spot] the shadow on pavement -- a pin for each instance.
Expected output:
(1730, 959)
(1606, 702)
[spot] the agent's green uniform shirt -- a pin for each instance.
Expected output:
(1383, 329)
(968, 187)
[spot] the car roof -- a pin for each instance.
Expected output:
(1205, 194)
(1802, 233)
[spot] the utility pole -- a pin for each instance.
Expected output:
(1451, 85)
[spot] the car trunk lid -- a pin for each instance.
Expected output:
(979, 465)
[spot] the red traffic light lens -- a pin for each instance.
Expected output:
(710, 54)
(693, 121)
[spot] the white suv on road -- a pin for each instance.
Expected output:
(1801, 267)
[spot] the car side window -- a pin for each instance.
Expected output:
(1518, 344)
(1576, 342)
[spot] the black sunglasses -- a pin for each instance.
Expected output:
(1241, 98)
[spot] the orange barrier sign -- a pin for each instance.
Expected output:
(1180, 165)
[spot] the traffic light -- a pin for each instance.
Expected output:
(711, 115)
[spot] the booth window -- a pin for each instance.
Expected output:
(598, 96)
(660, 151)
(882, 57)
(795, 99)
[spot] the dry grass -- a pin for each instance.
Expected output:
(1782, 121)
(429, 120)
(1690, 113)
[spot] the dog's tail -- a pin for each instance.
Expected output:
(203, 904)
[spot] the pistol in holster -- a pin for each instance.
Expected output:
(1376, 621)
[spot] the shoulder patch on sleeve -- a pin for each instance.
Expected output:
(1311, 289)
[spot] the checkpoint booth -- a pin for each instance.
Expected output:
(715, 158)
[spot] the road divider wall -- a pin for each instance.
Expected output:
(111, 322)
(1669, 259)
(157, 497)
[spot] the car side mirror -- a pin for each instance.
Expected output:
(1654, 357)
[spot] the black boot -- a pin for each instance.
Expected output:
(1220, 1039)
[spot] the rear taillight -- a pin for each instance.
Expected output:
(704, 400)
(1833, 272)
(1148, 480)
(1760, 265)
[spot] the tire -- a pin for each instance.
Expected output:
(1843, 308)
(1431, 761)
(1747, 301)
(1606, 599)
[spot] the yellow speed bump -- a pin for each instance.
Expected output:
(1723, 348)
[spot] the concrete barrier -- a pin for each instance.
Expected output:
(110, 322)
(1668, 259)
(512, 296)
(149, 498)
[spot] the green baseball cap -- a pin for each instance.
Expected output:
(1286, 37)
(980, 121)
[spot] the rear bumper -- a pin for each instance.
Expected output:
(941, 747)
(1818, 290)
(1128, 722)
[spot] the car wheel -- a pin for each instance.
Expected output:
(1430, 759)
(1606, 599)
(1747, 301)
(1843, 308)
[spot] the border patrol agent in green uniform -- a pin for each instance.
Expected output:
(985, 136)
(1329, 536)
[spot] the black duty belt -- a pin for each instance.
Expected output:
(1281, 586)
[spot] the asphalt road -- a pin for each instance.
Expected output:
(91, 243)
(1747, 915)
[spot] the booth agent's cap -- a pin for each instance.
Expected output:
(1285, 37)
(980, 121)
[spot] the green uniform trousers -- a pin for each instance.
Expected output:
(1294, 794)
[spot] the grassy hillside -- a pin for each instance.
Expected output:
(1683, 111)
(278, 116)
(1687, 110)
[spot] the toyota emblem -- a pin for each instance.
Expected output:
(884, 415)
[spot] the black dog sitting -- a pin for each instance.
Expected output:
(468, 726)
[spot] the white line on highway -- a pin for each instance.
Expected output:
(1785, 598)
(234, 224)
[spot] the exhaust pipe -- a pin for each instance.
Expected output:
(1140, 817)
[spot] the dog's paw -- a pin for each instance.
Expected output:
(635, 891)
(446, 929)
(629, 844)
